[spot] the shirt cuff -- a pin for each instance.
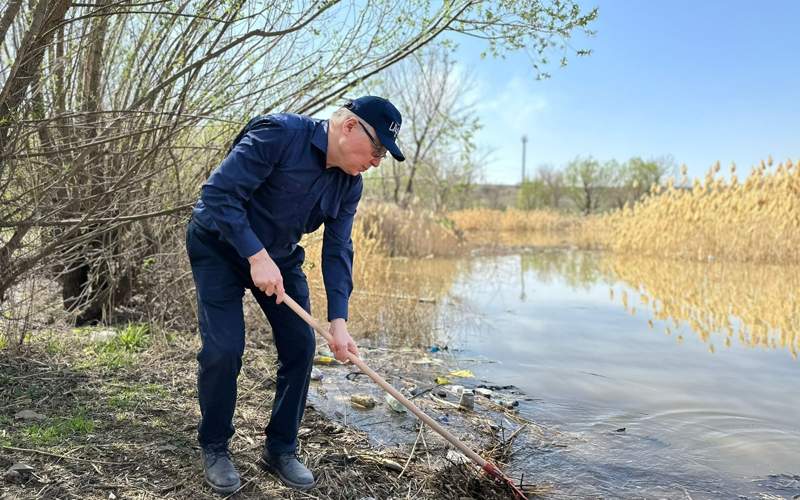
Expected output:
(246, 243)
(337, 306)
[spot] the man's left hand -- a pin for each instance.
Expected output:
(342, 342)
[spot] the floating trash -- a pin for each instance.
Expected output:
(324, 360)
(456, 457)
(483, 392)
(427, 361)
(467, 400)
(394, 404)
(508, 403)
(462, 374)
(442, 380)
(362, 401)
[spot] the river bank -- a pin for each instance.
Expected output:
(102, 413)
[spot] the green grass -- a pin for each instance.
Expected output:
(120, 350)
(135, 337)
(131, 397)
(54, 346)
(60, 429)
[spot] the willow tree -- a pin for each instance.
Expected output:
(112, 112)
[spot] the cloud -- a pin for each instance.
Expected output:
(508, 112)
(516, 105)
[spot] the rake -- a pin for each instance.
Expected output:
(485, 465)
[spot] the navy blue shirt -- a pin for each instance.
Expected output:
(273, 187)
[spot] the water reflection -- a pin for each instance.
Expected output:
(756, 304)
(571, 329)
(578, 269)
(759, 305)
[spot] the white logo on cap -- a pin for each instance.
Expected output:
(395, 129)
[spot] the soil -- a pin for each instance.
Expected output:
(116, 420)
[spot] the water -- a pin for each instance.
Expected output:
(697, 362)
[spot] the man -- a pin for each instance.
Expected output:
(283, 177)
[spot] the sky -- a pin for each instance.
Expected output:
(698, 80)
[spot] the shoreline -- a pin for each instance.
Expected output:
(124, 425)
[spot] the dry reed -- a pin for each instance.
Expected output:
(393, 301)
(757, 220)
(484, 219)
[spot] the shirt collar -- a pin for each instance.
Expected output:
(320, 136)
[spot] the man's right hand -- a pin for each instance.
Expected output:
(266, 275)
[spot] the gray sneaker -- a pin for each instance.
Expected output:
(220, 472)
(291, 471)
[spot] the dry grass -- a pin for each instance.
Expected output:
(129, 430)
(757, 220)
(395, 300)
(407, 233)
(484, 219)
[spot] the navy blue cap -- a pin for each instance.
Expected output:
(383, 117)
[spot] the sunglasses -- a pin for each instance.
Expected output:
(378, 151)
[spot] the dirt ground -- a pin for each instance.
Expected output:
(104, 414)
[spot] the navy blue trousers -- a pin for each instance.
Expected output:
(221, 277)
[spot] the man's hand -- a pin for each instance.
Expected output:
(342, 342)
(266, 275)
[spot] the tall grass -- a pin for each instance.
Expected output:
(484, 219)
(398, 284)
(408, 233)
(757, 220)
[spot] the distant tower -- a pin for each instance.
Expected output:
(524, 143)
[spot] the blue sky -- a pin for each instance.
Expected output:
(699, 80)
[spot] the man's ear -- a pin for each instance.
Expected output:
(349, 124)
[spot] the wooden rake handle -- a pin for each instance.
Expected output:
(489, 467)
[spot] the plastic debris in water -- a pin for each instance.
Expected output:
(362, 401)
(483, 392)
(427, 361)
(508, 403)
(442, 380)
(394, 404)
(456, 457)
(324, 360)
(462, 373)
(467, 400)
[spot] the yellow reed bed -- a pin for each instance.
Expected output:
(757, 220)
(484, 219)
(395, 298)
